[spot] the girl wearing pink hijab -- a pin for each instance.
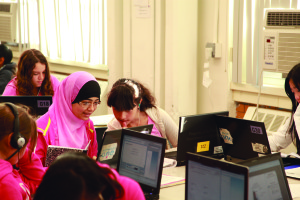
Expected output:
(67, 122)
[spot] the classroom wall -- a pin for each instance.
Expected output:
(163, 46)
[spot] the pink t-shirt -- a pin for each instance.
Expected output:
(154, 129)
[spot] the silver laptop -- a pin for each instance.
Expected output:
(267, 178)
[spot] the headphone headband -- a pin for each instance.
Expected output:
(17, 140)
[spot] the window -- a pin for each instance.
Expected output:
(70, 30)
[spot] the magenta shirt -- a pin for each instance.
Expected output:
(11, 88)
(154, 129)
(20, 184)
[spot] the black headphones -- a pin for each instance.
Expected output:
(17, 140)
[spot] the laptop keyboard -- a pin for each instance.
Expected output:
(150, 196)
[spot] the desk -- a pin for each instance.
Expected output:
(177, 192)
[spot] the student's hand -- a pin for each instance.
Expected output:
(95, 158)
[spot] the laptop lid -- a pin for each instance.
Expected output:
(210, 178)
(141, 158)
(99, 134)
(199, 134)
(267, 178)
(242, 139)
(38, 105)
(108, 150)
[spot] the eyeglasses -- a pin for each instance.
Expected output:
(87, 104)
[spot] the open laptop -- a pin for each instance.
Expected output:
(141, 158)
(99, 134)
(242, 139)
(38, 105)
(198, 134)
(267, 178)
(108, 149)
(210, 178)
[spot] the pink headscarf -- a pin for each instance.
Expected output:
(71, 131)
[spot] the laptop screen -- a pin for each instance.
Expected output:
(141, 158)
(267, 179)
(38, 105)
(208, 178)
(199, 134)
(108, 149)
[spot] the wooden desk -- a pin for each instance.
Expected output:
(177, 192)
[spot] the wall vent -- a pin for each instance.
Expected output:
(275, 18)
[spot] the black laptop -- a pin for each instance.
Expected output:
(242, 139)
(198, 134)
(108, 149)
(38, 105)
(210, 178)
(141, 158)
(267, 178)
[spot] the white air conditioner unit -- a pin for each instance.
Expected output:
(8, 20)
(281, 37)
(272, 119)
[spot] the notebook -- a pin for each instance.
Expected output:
(108, 150)
(141, 158)
(38, 105)
(210, 178)
(267, 178)
(198, 134)
(242, 139)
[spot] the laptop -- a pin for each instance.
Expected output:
(210, 178)
(242, 139)
(267, 178)
(198, 134)
(141, 159)
(108, 149)
(38, 105)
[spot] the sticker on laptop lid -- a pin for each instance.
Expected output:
(260, 148)
(256, 130)
(202, 146)
(218, 149)
(108, 151)
(225, 134)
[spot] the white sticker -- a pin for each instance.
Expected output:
(108, 151)
(226, 136)
(260, 148)
(218, 149)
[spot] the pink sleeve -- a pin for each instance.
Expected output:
(32, 171)
(10, 89)
(41, 148)
(55, 82)
(93, 149)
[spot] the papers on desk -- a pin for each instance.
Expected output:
(168, 162)
(168, 181)
(101, 120)
(290, 155)
(293, 171)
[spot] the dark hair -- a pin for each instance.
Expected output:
(6, 53)
(122, 95)
(294, 75)
(75, 176)
(27, 125)
(26, 65)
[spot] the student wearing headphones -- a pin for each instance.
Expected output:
(75, 176)
(33, 76)
(7, 68)
(20, 169)
(67, 122)
(133, 105)
(289, 132)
